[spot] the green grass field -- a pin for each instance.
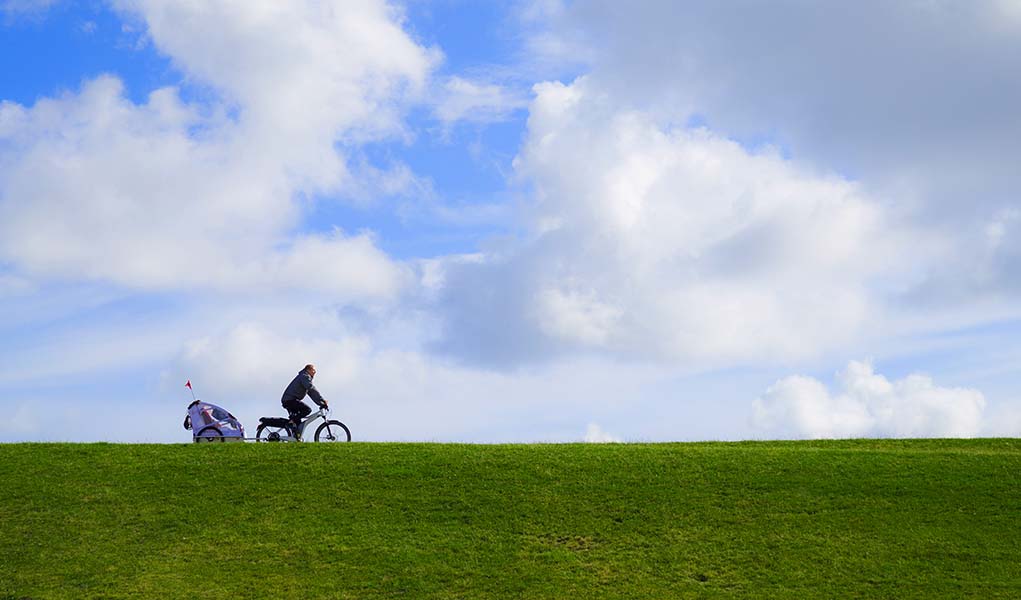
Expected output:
(855, 519)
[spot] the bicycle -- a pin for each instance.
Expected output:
(280, 429)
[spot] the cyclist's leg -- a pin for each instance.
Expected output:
(297, 410)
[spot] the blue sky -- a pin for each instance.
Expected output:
(525, 221)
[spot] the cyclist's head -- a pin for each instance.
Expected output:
(311, 370)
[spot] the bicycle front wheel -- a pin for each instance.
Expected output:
(333, 431)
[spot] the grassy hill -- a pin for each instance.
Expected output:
(858, 519)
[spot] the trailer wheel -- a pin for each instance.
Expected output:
(209, 434)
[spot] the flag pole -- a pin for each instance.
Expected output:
(188, 385)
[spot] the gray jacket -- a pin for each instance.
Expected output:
(301, 385)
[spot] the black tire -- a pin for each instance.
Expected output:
(333, 431)
(270, 433)
(209, 433)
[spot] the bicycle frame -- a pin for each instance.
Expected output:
(319, 414)
(284, 434)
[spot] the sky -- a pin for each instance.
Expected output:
(525, 221)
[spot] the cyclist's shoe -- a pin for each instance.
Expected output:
(295, 432)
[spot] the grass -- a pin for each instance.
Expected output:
(848, 519)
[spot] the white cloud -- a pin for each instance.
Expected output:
(652, 240)
(305, 73)
(576, 316)
(478, 102)
(595, 435)
(868, 405)
(168, 195)
(915, 100)
(810, 77)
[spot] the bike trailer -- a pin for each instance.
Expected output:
(210, 423)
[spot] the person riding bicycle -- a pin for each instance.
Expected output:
(296, 391)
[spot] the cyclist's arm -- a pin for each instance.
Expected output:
(314, 393)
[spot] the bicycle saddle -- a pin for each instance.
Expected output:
(275, 421)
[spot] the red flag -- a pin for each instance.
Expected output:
(188, 385)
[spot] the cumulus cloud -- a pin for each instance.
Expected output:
(595, 435)
(309, 73)
(653, 240)
(868, 405)
(169, 194)
(914, 100)
(847, 107)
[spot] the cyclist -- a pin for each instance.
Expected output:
(296, 391)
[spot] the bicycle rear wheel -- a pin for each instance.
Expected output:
(333, 431)
(273, 433)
